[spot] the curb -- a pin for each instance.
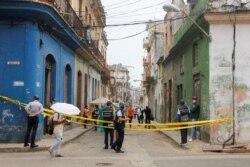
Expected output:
(42, 148)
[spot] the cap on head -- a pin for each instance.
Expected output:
(35, 97)
(109, 103)
(194, 97)
(121, 104)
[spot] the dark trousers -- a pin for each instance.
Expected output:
(85, 122)
(147, 121)
(130, 120)
(31, 130)
(119, 141)
(108, 132)
(139, 119)
(184, 136)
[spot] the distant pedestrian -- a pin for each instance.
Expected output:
(138, 114)
(33, 109)
(86, 114)
(183, 114)
(95, 115)
(58, 121)
(100, 109)
(119, 124)
(142, 116)
(194, 115)
(108, 115)
(130, 114)
(148, 116)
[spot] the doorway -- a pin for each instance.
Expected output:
(79, 90)
(67, 84)
(50, 82)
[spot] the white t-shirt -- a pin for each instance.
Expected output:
(59, 127)
(119, 113)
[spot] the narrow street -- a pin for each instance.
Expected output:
(141, 150)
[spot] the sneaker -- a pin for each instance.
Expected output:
(106, 147)
(26, 145)
(33, 146)
(51, 152)
(190, 140)
(119, 151)
(58, 155)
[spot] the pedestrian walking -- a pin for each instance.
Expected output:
(33, 109)
(58, 121)
(194, 115)
(86, 115)
(108, 115)
(95, 114)
(183, 114)
(119, 124)
(100, 109)
(130, 114)
(142, 116)
(138, 114)
(148, 116)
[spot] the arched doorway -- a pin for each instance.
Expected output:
(79, 90)
(50, 78)
(67, 84)
(50, 82)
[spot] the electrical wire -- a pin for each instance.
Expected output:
(133, 11)
(121, 6)
(118, 3)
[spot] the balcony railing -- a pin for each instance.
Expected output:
(64, 8)
(67, 12)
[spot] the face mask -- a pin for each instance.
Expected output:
(194, 101)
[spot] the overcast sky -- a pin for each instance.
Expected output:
(129, 51)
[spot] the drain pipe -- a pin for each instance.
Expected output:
(233, 81)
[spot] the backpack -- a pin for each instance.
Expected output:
(51, 125)
(184, 113)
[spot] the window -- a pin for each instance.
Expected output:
(182, 65)
(179, 93)
(195, 54)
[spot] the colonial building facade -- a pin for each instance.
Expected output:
(212, 66)
(47, 50)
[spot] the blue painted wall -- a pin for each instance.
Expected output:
(22, 73)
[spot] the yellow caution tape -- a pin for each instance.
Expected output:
(161, 126)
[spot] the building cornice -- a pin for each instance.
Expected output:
(228, 18)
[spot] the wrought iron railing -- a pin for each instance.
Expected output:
(67, 12)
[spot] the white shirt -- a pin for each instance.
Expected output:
(34, 108)
(58, 127)
(138, 111)
(119, 113)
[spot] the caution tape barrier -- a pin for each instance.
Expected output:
(160, 126)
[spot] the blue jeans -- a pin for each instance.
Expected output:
(56, 147)
(193, 130)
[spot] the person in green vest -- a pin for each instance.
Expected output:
(194, 115)
(101, 129)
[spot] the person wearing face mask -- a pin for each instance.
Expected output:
(194, 114)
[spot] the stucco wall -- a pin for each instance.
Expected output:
(220, 83)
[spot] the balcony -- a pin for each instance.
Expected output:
(201, 5)
(145, 62)
(69, 15)
(145, 43)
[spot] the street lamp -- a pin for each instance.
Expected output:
(173, 8)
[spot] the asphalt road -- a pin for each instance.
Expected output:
(142, 149)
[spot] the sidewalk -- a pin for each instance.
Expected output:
(175, 136)
(46, 142)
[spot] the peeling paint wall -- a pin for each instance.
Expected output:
(242, 92)
(221, 82)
